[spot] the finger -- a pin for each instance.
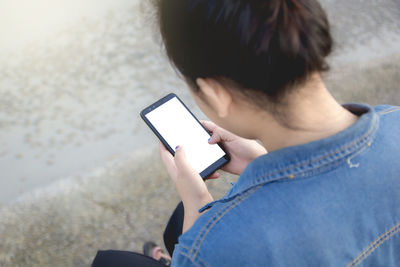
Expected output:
(214, 175)
(215, 132)
(209, 125)
(181, 162)
(215, 137)
(168, 160)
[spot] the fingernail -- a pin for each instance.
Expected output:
(209, 139)
(177, 147)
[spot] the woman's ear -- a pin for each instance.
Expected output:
(217, 96)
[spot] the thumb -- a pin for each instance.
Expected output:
(181, 162)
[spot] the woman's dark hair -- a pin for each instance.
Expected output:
(264, 46)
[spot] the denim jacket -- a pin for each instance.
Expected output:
(332, 202)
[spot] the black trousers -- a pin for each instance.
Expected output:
(108, 258)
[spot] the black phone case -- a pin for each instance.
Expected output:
(210, 169)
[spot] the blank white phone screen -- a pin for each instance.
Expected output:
(179, 128)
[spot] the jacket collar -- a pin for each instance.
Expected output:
(296, 162)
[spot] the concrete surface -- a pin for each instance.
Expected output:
(124, 197)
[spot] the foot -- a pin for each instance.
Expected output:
(152, 250)
(158, 254)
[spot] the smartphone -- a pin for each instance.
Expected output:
(175, 125)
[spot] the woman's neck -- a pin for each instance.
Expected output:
(308, 115)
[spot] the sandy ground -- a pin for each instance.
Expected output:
(76, 177)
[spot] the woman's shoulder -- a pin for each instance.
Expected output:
(387, 109)
(389, 123)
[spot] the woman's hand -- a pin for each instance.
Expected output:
(242, 151)
(189, 184)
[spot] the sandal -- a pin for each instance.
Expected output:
(150, 249)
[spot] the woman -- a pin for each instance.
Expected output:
(327, 193)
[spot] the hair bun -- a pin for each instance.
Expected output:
(265, 46)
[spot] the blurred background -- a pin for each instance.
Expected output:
(79, 170)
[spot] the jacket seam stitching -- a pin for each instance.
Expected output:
(281, 177)
(374, 245)
(353, 145)
(211, 222)
(185, 247)
(190, 258)
(202, 261)
(214, 219)
(220, 215)
(349, 145)
(389, 110)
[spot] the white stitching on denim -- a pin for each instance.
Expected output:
(389, 110)
(189, 258)
(216, 217)
(353, 145)
(210, 222)
(185, 247)
(374, 245)
(351, 164)
(202, 261)
(349, 159)
(241, 197)
(205, 226)
(339, 150)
